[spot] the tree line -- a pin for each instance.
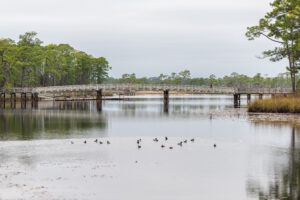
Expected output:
(232, 80)
(27, 63)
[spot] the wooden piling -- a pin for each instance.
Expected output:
(99, 94)
(166, 101)
(248, 98)
(237, 100)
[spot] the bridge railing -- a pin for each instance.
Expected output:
(149, 87)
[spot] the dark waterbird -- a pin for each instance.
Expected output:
(139, 146)
(84, 142)
(166, 138)
(155, 140)
(108, 142)
(180, 144)
(185, 141)
(215, 145)
(72, 142)
(162, 146)
(96, 141)
(170, 147)
(192, 140)
(100, 142)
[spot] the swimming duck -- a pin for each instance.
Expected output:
(185, 141)
(96, 140)
(170, 147)
(155, 140)
(108, 142)
(192, 140)
(72, 142)
(162, 146)
(100, 142)
(139, 146)
(84, 142)
(166, 138)
(215, 145)
(180, 144)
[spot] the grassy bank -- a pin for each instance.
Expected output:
(276, 105)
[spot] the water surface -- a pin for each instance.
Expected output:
(251, 161)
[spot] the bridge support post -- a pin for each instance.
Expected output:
(99, 95)
(23, 97)
(2, 99)
(13, 97)
(34, 100)
(166, 101)
(248, 98)
(260, 96)
(237, 100)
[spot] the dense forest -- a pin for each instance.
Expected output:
(27, 63)
(232, 80)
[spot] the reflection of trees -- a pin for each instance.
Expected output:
(285, 183)
(19, 125)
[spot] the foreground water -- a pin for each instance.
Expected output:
(252, 160)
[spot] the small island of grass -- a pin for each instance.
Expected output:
(290, 104)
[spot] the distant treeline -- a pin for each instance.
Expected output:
(233, 80)
(27, 63)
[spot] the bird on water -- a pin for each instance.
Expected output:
(139, 146)
(96, 141)
(155, 140)
(84, 142)
(100, 142)
(170, 147)
(162, 146)
(108, 142)
(185, 141)
(192, 140)
(166, 138)
(215, 145)
(72, 142)
(180, 144)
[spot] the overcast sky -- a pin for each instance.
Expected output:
(149, 37)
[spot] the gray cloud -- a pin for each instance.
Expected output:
(149, 37)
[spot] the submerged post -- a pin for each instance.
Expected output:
(166, 100)
(23, 97)
(2, 99)
(237, 100)
(248, 98)
(99, 94)
(13, 97)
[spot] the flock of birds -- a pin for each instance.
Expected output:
(139, 142)
(166, 138)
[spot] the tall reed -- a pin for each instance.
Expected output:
(276, 105)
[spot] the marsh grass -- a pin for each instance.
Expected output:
(276, 105)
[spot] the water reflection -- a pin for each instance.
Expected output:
(282, 172)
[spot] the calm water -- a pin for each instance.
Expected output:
(270, 163)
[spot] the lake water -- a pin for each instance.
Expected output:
(252, 160)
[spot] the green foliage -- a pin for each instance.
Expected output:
(282, 26)
(28, 64)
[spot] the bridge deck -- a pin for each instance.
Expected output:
(148, 87)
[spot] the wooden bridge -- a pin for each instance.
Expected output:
(147, 87)
(99, 88)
